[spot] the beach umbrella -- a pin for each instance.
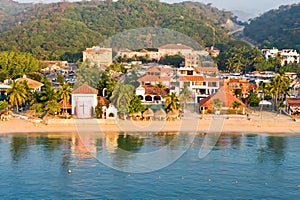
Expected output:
(160, 114)
(148, 113)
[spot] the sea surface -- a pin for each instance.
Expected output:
(245, 166)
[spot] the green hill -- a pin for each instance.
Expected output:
(8, 9)
(277, 28)
(63, 30)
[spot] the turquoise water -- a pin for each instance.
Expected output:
(35, 166)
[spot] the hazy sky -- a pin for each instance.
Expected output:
(251, 6)
(255, 7)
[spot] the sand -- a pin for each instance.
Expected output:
(269, 123)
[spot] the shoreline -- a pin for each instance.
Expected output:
(279, 126)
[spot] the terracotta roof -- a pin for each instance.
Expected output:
(191, 78)
(224, 96)
(152, 78)
(211, 79)
(32, 84)
(175, 46)
(153, 90)
(85, 89)
(103, 101)
(206, 69)
(65, 104)
(294, 102)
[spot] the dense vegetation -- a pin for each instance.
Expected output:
(62, 30)
(277, 28)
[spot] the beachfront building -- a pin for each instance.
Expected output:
(150, 94)
(207, 106)
(238, 87)
(84, 101)
(293, 106)
(202, 81)
(287, 56)
(101, 57)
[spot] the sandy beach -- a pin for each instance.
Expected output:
(268, 123)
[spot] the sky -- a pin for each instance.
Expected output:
(253, 7)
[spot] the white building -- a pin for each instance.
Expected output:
(201, 85)
(287, 55)
(84, 101)
(101, 57)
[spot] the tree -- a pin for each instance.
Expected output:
(175, 60)
(172, 102)
(3, 105)
(65, 92)
(135, 104)
(17, 94)
(121, 97)
(185, 96)
(108, 83)
(281, 105)
(253, 99)
(217, 104)
(279, 88)
(52, 107)
(48, 94)
(236, 105)
(60, 79)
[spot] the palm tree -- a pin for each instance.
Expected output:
(17, 94)
(65, 92)
(49, 93)
(236, 105)
(121, 97)
(279, 87)
(185, 96)
(172, 102)
(217, 104)
(281, 105)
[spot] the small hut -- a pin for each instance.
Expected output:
(160, 114)
(148, 114)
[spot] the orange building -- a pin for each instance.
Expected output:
(238, 86)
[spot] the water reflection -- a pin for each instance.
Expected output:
(271, 148)
(121, 147)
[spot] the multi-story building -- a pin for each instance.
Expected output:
(157, 75)
(287, 56)
(238, 87)
(101, 57)
(198, 82)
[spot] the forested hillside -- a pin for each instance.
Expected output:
(9, 8)
(62, 30)
(277, 28)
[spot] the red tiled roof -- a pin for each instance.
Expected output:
(175, 46)
(152, 78)
(191, 78)
(294, 102)
(215, 79)
(154, 90)
(85, 89)
(224, 96)
(102, 100)
(207, 69)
